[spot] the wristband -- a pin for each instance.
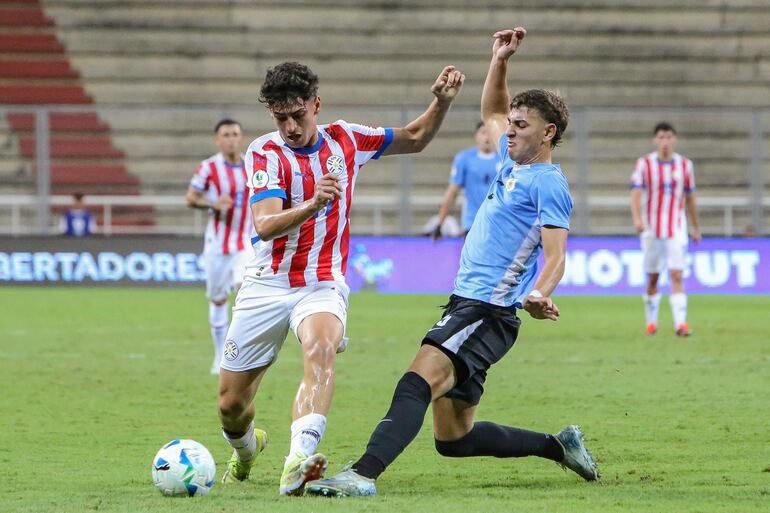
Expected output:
(536, 293)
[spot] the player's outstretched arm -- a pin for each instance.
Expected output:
(450, 197)
(494, 96)
(539, 304)
(271, 220)
(692, 213)
(636, 210)
(415, 136)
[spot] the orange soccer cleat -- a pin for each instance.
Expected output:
(683, 330)
(652, 328)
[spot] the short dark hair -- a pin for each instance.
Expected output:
(479, 125)
(285, 83)
(549, 104)
(664, 126)
(226, 122)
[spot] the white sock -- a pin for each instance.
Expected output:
(246, 445)
(679, 308)
(651, 307)
(218, 321)
(306, 434)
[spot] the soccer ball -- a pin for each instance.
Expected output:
(183, 468)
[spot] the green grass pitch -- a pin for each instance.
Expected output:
(94, 381)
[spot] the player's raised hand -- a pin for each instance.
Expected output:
(541, 308)
(327, 189)
(448, 84)
(507, 42)
(223, 203)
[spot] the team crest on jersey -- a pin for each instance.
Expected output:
(231, 350)
(259, 179)
(335, 164)
(510, 184)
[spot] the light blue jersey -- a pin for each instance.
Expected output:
(498, 264)
(473, 171)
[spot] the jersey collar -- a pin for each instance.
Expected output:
(308, 150)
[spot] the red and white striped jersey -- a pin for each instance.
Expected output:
(665, 185)
(318, 249)
(227, 232)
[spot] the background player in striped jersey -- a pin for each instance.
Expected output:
(472, 171)
(662, 190)
(302, 181)
(220, 185)
(527, 208)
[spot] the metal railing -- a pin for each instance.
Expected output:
(368, 217)
(405, 204)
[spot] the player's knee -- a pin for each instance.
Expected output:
(322, 351)
(231, 406)
(454, 448)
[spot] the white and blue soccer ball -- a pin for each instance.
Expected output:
(183, 468)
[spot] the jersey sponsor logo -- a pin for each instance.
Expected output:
(510, 184)
(335, 164)
(231, 350)
(259, 179)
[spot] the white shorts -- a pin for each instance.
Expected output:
(660, 254)
(263, 314)
(224, 273)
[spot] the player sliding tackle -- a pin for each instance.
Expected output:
(302, 181)
(528, 208)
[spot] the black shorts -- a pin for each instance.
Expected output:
(475, 335)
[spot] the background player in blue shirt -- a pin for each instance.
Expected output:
(77, 221)
(472, 171)
(528, 208)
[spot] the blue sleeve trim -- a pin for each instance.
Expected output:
(270, 193)
(555, 224)
(254, 239)
(689, 189)
(632, 186)
(385, 143)
(201, 189)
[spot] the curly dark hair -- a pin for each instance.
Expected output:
(549, 104)
(285, 83)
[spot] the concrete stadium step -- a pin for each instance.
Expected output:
(503, 4)
(91, 174)
(30, 43)
(399, 46)
(460, 121)
(185, 68)
(399, 93)
(38, 69)
(393, 17)
(689, 125)
(60, 122)
(42, 94)
(13, 167)
(447, 144)
(99, 147)
(256, 121)
(95, 189)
